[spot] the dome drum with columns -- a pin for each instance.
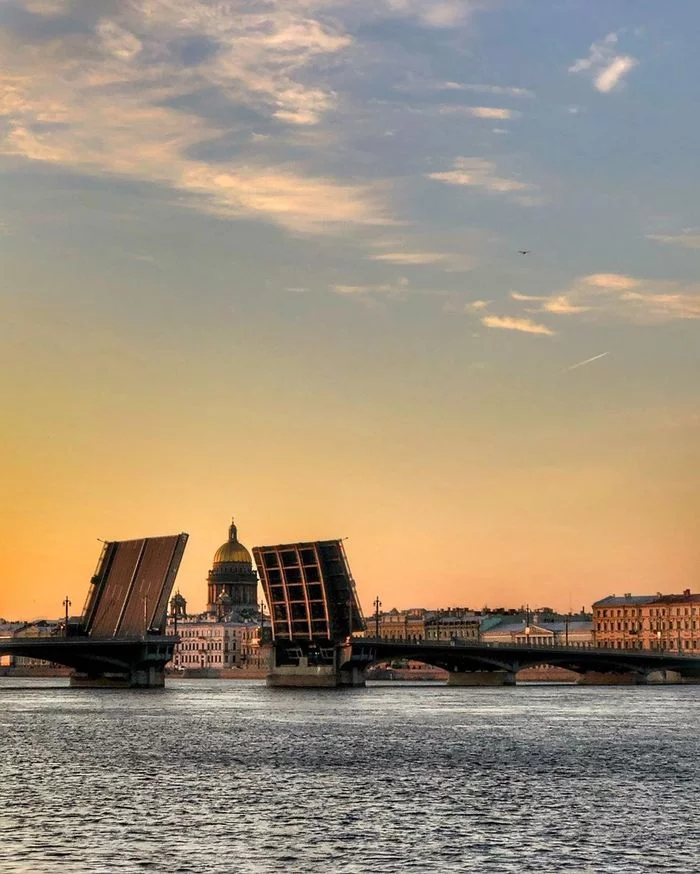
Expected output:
(232, 583)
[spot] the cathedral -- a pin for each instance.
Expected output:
(232, 583)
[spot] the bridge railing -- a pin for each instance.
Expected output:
(529, 645)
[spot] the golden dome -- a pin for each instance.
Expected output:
(232, 552)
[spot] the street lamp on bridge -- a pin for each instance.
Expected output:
(377, 605)
(66, 604)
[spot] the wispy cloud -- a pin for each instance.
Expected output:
(488, 112)
(509, 323)
(111, 99)
(410, 258)
(480, 173)
(585, 362)
(433, 13)
(396, 289)
(500, 90)
(619, 296)
(688, 238)
(420, 85)
(449, 262)
(606, 67)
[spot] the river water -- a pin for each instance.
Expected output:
(228, 776)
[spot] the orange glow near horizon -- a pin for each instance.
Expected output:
(352, 282)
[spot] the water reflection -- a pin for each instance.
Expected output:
(211, 776)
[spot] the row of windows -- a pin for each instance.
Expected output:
(212, 645)
(653, 611)
(663, 644)
(656, 625)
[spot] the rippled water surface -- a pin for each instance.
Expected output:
(217, 776)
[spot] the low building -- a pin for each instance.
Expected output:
(398, 624)
(219, 642)
(452, 624)
(40, 628)
(573, 631)
(661, 622)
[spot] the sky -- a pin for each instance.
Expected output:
(262, 259)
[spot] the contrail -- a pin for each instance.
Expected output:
(583, 363)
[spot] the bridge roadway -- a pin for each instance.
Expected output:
(130, 661)
(470, 658)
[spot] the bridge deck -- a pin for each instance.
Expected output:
(478, 655)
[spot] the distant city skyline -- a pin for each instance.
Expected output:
(418, 274)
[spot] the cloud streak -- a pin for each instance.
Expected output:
(585, 362)
(510, 323)
(479, 173)
(620, 297)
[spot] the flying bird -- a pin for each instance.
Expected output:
(523, 251)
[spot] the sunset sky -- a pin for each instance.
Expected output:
(262, 259)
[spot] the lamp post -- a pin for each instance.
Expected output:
(566, 626)
(377, 605)
(66, 604)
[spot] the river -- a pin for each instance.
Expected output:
(229, 777)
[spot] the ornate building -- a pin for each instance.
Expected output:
(232, 582)
(232, 634)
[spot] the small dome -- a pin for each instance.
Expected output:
(232, 552)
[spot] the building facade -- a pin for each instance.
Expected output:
(537, 632)
(660, 622)
(210, 643)
(452, 623)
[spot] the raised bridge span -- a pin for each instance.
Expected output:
(120, 639)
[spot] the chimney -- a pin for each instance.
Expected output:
(686, 591)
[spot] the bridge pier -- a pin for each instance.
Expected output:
(141, 677)
(306, 673)
(481, 678)
(600, 678)
(665, 677)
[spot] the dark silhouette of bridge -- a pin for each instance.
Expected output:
(120, 639)
(474, 663)
(316, 617)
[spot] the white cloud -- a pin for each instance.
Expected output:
(611, 281)
(606, 67)
(609, 77)
(479, 173)
(508, 323)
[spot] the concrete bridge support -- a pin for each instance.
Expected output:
(665, 677)
(481, 678)
(143, 677)
(601, 678)
(308, 674)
